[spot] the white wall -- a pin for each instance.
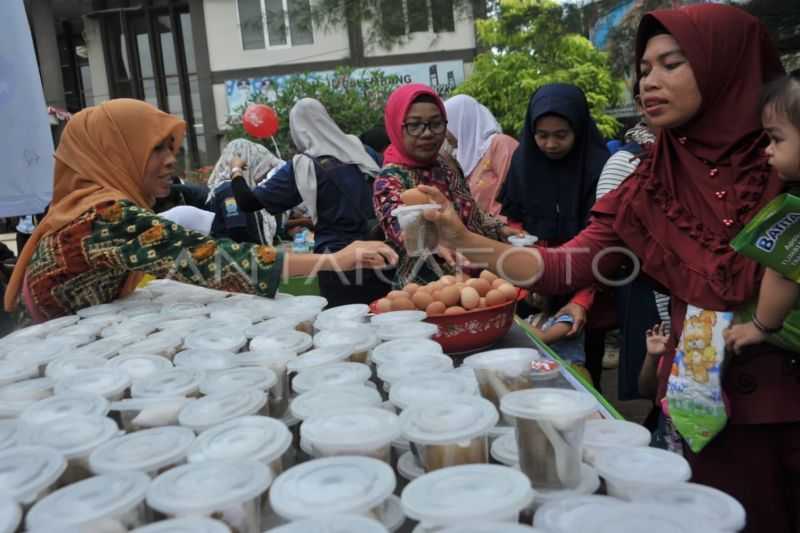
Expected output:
(225, 43)
(97, 61)
(421, 42)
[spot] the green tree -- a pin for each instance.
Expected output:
(528, 46)
(355, 103)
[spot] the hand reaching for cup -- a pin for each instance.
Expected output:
(447, 220)
(365, 254)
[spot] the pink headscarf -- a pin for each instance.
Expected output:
(395, 114)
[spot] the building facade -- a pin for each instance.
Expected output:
(200, 59)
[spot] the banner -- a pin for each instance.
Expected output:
(444, 76)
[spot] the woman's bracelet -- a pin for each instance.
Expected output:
(764, 329)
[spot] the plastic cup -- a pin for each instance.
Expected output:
(238, 379)
(145, 413)
(333, 524)
(413, 365)
(273, 325)
(67, 366)
(430, 389)
(365, 431)
(523, 241)
(331, 318)
(185, 525)
(10, 515)
(409, 330)
(29, 391)
(602, 434)
(151, 451)
(320, 357)
(451, 433)
(28, 473)
(109, 382)
(221, 339)
(331, 375)
(205, 359)
(558, 514)
(502, 371)
(289, 340)
(491, 527)
(630, 470)
(588, 485)
(328, 400)
(214, 409)
(106, 347)
(169, 384)
(165, 344)
(420, 236)
(277, 361)
(361, 338)
(549, 429)
(719, 507)
(64, 406)
(392, 351)
(638, 517)
(140, 366)
(394, 318)
(504, 450)
(8, 433)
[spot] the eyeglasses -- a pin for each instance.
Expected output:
(417, 129)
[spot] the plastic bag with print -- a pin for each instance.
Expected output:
(694, 390)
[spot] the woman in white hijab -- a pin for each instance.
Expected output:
(232, 221)
(332, 176)
(483, 151)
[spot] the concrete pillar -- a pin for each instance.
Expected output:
(97, 61)
(40, 13)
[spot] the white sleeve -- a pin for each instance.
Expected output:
(618, 167)
(190, 217)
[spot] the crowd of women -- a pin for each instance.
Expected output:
(687, 180)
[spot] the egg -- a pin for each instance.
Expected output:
(488, 276)
(480, 285)
(402, 304)
(450, 296)
(436, 309)
(411, 288)
(456, 310)
(422, 299)
(414, 197)
(433, 286)
(447, 280)
(498, 282)
(437, 295)
(494, 297)
(397, 294)
(470, 299)
(509, 291)
(384, 305)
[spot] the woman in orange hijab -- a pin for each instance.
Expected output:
(100, 236)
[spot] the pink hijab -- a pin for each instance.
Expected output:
(395, 114)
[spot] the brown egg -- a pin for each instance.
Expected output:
(414, 197)
(397, 294)
(411, 288)
(498, 282)
(383, 305)
(422, 299)
(437, 295)
(450, 296)
(509, 291)
(447, 280)
(480, 285)
(482, 304)
(433, 286)
(488, 276)
(494, 297)
(402, 304)
(470, 299)
(436, 309)
(456, 310)
(459, 284)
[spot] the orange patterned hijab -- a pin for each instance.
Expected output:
(101, 156)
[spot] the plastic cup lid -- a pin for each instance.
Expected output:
(409, 330)
(459, 419)
(249, 437)
(199, 488)
(588, 484)
(215, 339)
(354, 312)
(184, 310)
(548, 404)
(642, 465)
(229, 316)
(204, 359)
(28, 390)
(319, 357)
(414, 364)
(217, 408)
(67, 366)
(723, 509)
(153, 319)
(192, 524)
(463, 493)
(142, 451)
(393, 318)
(293, 340)
(8, 433)
(107, 382)
(25, 471)
(324, 324)
(135, 308)
(512, 360)
(65, 406)
(105, 348)
(101, 322)
(185, 326)
(356, 429)
(330, 375)
(339, 523)
(42, 352)
(491, 527)
(10, 515)
(271, 326)
(100, 310)
(123, 328)
(392, 350)
(361, 338)
(557, 514)
(431, 388)
(343, 484)
(155, 344)
(504, 449)
(169, 383)
(638, 517)
(140, 366)
(237, 379)
(13, 371)
(81, 329)
(307, 301)
(61, 322)
(74, 436)
(602, 433)
(273, 359)
(332, 400)
(88, 500)
(525, 240)
(419, 208)
(408, 467)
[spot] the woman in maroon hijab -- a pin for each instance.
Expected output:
(701, 69)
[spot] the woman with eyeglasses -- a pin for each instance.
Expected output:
(416, 122)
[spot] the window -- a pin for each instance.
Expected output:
(272, 23)
(409, 16)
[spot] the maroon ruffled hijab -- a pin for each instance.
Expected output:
(701, 183)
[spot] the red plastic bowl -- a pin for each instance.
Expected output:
(474, 330)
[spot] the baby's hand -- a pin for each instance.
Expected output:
(741, 335)
(657, 339)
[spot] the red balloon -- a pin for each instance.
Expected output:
(260, 121)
